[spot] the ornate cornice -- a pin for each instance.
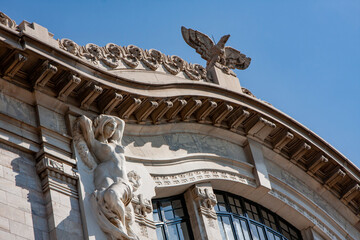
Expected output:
(76, 85)
(114, 57)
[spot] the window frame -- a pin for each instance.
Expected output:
(164, 223)
(233, 216)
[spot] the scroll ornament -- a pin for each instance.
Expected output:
(99, 145)
(111, 55)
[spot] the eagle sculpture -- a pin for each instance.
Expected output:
(227, 57)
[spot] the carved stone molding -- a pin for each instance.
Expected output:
(200, 175)
(56, 175)
(142, 207)
(7, 22)
(112, 55)
(207, 200)
(304, 212)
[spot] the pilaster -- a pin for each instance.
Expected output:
(200, 200)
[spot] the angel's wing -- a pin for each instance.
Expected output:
(235, 59)
(199, 41)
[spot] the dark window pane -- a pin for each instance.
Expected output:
(179, 212)
(220, 198)
(166, 205)
(233, 209)
(176, 204)
(237, 202)
(231, 200)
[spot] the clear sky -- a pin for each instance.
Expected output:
(305, 54)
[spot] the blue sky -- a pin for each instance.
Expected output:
(305, 54)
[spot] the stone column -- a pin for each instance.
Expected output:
(200, 201)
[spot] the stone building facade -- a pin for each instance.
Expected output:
(199, 157)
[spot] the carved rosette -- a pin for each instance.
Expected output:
(112, 55)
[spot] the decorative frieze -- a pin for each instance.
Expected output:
(200, 175)
(114, 56)
(310, 216)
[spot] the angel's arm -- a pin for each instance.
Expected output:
(87, 130)
(119, 130)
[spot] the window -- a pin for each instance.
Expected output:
(241, 219)
(171, 218)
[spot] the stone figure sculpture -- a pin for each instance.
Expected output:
(226, 57)
(99, 145)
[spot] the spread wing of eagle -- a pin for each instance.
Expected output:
(212, 52)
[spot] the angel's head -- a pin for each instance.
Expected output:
(109, 128)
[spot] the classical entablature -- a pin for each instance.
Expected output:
(156, 94)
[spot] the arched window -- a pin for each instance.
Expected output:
(241, 219)
(171, 219)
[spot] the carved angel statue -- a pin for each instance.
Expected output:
(215, 53)
(99, 145)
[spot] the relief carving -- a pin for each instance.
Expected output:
(111, 55)
(207, 200)
(99, 145)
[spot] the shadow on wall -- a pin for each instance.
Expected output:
(27, 197)
(38, 206)
(185, 142)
